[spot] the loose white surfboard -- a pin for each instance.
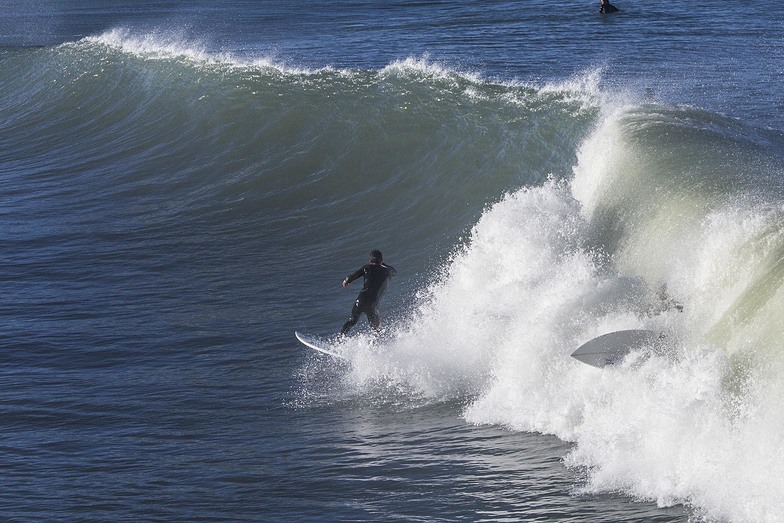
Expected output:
(319, 344)
(611, 348)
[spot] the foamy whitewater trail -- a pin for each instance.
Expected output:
(549, 267)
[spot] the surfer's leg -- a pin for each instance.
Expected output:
(373, 318)
(355, 311)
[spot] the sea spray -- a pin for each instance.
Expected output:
(546, 269)
(692, 427)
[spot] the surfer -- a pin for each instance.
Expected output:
(377, 275)
(667, 302)
(607, 7)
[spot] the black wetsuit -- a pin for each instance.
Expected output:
(377, 276)
(608, 8)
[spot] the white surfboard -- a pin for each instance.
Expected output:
(611, 348)
(319, 344)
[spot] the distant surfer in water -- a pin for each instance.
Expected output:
(607, 7)
(377, 275)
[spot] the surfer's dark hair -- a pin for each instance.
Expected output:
(376, 256)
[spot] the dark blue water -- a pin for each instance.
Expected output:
(184, 184)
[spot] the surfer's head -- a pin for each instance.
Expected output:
(376, 257)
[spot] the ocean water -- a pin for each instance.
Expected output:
(185, 184)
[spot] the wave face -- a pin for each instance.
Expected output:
(531, 218)
(223, 136)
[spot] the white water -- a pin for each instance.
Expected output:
(546, 269)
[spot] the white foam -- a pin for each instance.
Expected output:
(427, 68)
(155, 45)
(167, 45)
(702, 426)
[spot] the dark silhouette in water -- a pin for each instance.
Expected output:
(607, 7)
